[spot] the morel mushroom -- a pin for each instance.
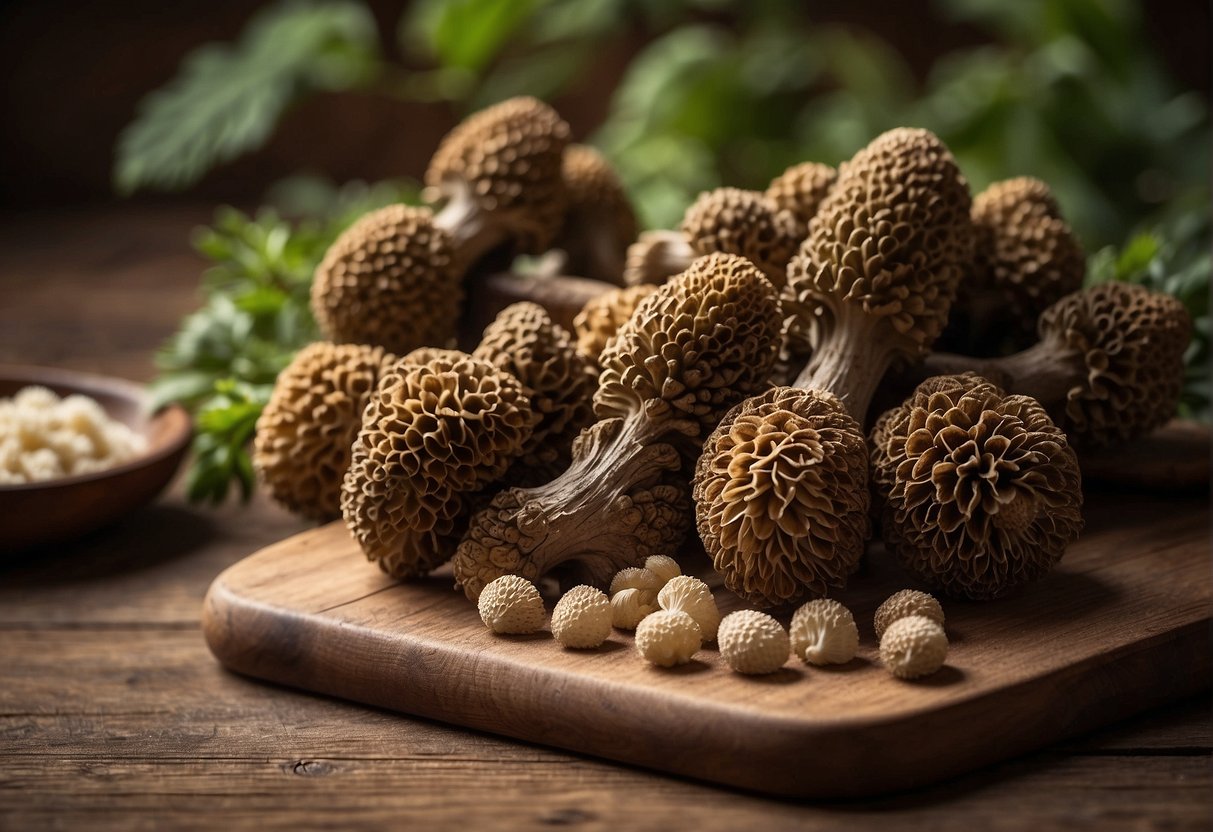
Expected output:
(781, 496)
(655, 256)
(913, 647)
(799, 191)
(981, 490)
(511, 606)
(752, 642)
(601, 317)
(729, 221)
(693, 348)
(904, 603)
(1025, 258)
(668, 638)
(1108, 367)
(599, 222)
(559, 383)
(582, 618)
(431, 435)
(389, 280)
(303, 437)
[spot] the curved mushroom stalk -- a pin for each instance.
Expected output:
(690, 351)
(1109, 365)
(599, 222)
(530, 532)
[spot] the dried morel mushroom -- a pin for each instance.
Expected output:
(303, 437)
(691, 350)
(752, 642)
(1025, 259)
(981, 490)
(498, 177)
(1108, 367)
(904, 603)
(558, 381)
(913, 647)
(799, 191)
(599, 222)
(601, 317)
(432, 435)
(668, 638)
(389, 280)
(781, 496)
(582, 618)
(655, 256)
(511, 605)
(877, 274)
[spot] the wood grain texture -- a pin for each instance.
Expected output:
(1102, 637)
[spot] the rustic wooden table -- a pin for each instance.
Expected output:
(114, 715)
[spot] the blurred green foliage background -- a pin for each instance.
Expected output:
(722, 92)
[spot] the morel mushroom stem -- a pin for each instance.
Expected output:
(1041, 371)
(850, 362)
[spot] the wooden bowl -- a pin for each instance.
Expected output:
(52, 511)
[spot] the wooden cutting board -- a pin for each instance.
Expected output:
(1122, 625)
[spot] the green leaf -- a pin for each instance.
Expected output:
(226, 99)
(465, 34)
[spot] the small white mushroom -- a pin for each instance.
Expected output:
(631, 606)
(668, 637)
(753, 642)
(903, 603)
(635, 577)
(694, 597)
(582, 618)
(511, 604)
(664, 567)
(824, 632)
(913, 646)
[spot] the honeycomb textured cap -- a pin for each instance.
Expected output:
(303, 438)
(799, 191)
(699, 344)
(1132, 342)
(524, 341)
(592, 188)
(913, 647)
(668, 637)
(636, 577)
(752, 642)
(601, 317)
(631, 606)
(982, 492)
(664, 567)
(511, 605)
(694, 597)
(582, 618)
(430, 434)
(823, 632)
(781, 496)
(508, 158)
(745, 223)
(389, 280)
(1024, 249)
(890, 239)
(904, 603)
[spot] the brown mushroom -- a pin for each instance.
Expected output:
(601, 317)
(1109, 365)
(799, 191)
(599, 222)
(690, 351)
(981, 490)
(302, 443)
(432, 435)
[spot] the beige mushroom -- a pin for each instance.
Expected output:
(913, 647)
(694, 597)
(630, 606)
(752, 642)
(582, 618)
(668, 638)
(823, 632)
(904, 603)
(799, 191)
(511, 605)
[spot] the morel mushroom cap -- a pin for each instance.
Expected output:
(691, 350)
(982, 491)
(511, 605)
(601, 317)
(655, 256)
(389, 280)
(752, 642)
(745, 223)
(824, 632)
(904, 603)
(913, 647)
(582, 618)
(781, 496)
(303, 437)
(504, 162)
(799, 191)
(879, 269)
(431, 434)
(599, 222)
(668, 637)
(694, 597)
(631, 606)
(524, 341)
